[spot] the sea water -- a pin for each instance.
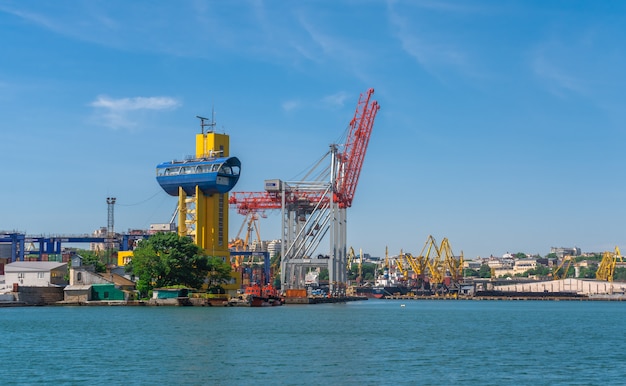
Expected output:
(373, 342)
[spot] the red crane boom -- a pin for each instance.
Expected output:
(350, 164)
(354, 151)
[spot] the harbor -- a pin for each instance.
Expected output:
(211, 268)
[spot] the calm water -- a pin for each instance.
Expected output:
(374, 342)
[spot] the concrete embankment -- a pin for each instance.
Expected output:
(322, 299)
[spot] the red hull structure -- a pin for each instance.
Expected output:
(257, 296)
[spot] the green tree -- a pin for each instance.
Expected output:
(469, 272)
(520, 255)
(219, 273)
(484, 272)
(619, 274)
(587, 272)
(165, 259)
(92, 258)
(369, 271)
(540, 270)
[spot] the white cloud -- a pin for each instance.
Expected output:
(336, 100)
(556, 79)
(123, 113)
(136, 103)
(291, 105)
(429, 53)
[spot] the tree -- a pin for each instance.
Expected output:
(91, 258)
(219, 273)
(619, 274)
(539, 270)
(166, 259)
(587, 272)
(469, 272)
(484, 271)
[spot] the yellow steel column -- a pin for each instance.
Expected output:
(201, 220)
(212, 211)
(182, 212)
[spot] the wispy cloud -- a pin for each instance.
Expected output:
(428, 52)
(34, 18)
(557, 79)
(291, 105)
(333, 102)
(124, 113)
(336, 100)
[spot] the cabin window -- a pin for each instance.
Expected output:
(20, 275)
(40, 275)
(79, 276)
(187, 170)
(226, 169)
(215, 167)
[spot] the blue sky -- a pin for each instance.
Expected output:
(501, 127)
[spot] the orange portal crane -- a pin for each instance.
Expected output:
(244, 245)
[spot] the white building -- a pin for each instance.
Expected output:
(35, 274)
(523, 265)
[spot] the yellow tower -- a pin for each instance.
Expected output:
(205, 217)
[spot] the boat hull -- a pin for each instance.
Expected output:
(370, 292)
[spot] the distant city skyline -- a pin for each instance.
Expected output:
(501, 124)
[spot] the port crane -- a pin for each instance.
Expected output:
(312, 209)
(251, 222)
(435, 263)
(560, 272)
(606, 268)
(453, 265)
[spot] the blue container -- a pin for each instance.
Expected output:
(211, 175)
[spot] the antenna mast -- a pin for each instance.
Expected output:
(205, 122)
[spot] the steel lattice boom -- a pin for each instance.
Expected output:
(351, 158)
(313, 209)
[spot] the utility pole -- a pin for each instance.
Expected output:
(110, 228)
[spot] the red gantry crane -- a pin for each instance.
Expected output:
(310, 209)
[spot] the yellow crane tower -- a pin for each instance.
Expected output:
(606, 269)
(202, 184)
(453, 265)
(401, 265)
(350, 258)
(561, 273)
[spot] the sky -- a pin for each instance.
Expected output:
(501, 124)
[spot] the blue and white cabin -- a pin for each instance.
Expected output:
(211, 175)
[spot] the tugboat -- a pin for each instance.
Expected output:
(258, 296)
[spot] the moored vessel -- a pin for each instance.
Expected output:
(257, 296)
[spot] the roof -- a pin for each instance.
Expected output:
(33, 266)
(81, 287)
(116, 279)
